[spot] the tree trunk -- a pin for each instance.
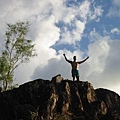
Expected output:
(5, 85)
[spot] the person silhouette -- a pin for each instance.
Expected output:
(75, 66)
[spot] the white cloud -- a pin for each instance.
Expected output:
(88, 14)
(71, 37)
(94, 35)
(55, 66)
(115, 9)
(98, 11)
(70, 18)
(69, 15)
(104, 63)
(98, 52)
(84, 10)
(48, 32)
(115, 31)
(59, 9)
(80, 26)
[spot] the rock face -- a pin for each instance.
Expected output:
(63, 100)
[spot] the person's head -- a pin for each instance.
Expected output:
(74, 58)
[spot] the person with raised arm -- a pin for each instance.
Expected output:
(75, 66)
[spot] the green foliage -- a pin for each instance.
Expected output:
(17, 50)
(34, 116)
(10, 87)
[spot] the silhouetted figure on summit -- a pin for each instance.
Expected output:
(75, 66)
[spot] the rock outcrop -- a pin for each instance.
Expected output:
(59, 100)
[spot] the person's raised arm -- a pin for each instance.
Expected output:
(66, 58)
(83, 60)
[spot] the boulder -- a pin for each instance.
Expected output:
(59, 99)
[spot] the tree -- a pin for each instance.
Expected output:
(17, 50)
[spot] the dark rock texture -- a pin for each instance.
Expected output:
(65, 100)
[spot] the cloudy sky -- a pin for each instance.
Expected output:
(74, 27)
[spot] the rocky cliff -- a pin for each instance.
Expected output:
(59, 99)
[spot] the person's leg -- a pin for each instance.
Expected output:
(73, 78)
(77, 75)
(73, 74)
(77, 78)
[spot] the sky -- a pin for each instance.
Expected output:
(75, 27)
